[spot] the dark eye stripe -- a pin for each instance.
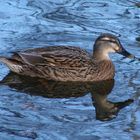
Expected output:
(112, 41)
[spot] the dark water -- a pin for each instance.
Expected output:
(70, 111)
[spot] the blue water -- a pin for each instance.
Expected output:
(26, 113)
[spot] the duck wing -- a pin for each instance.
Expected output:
(52, 49)
(58, 56)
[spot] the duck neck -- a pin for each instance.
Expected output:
(101, 56)
(105, 67)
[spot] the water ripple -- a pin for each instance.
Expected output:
(36, 23)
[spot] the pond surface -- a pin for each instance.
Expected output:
(41, 110)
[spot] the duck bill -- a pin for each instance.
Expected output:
(125, 53)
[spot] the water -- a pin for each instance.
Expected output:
(46, 111)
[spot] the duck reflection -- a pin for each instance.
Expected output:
(105, 109)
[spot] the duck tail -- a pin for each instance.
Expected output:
(3, 59)
(12, 64)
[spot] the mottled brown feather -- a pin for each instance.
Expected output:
(62, 63)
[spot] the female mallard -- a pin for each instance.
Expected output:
(66, 63)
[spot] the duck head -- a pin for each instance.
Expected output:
(108, 43)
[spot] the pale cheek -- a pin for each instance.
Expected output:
(117, 48)
(110, 51)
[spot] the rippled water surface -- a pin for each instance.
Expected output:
(58, 111)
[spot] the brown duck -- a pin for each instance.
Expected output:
(67, 63)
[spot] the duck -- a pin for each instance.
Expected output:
(68, 63)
